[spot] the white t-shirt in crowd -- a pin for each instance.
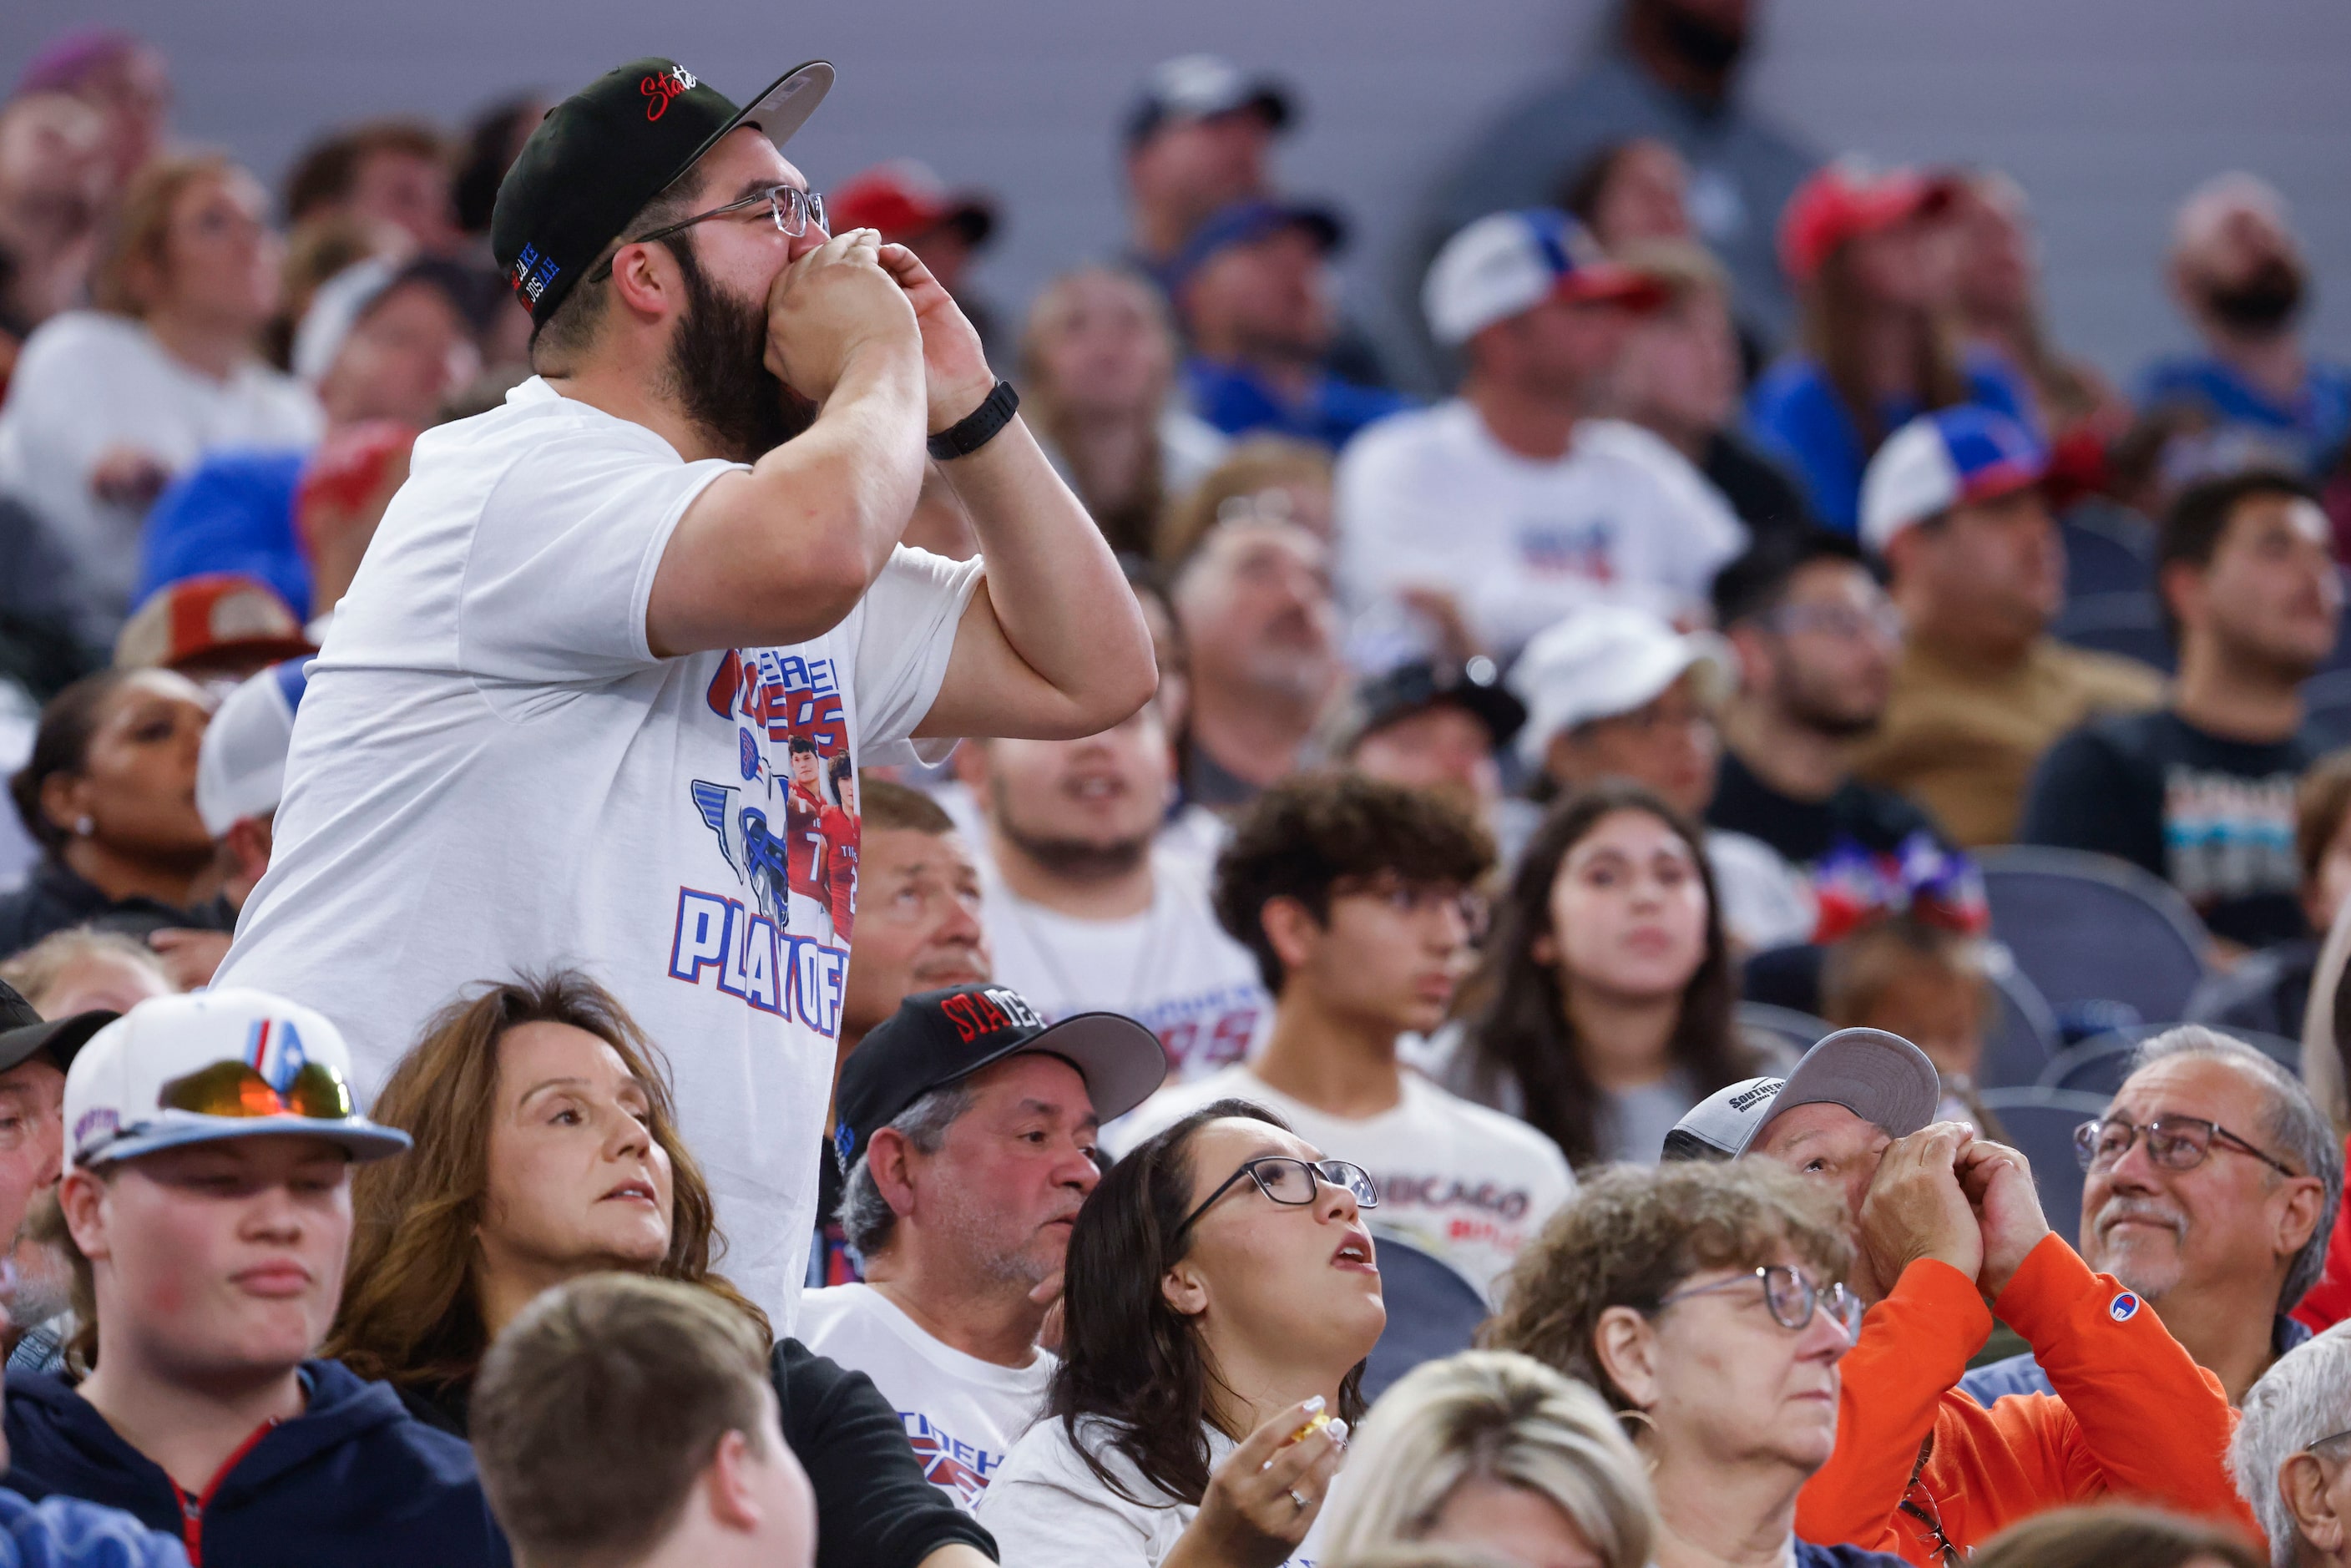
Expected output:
(1465, 1185)
(962, 1413)
(1047, 1508)
(1172, 968)
(1766, 902)
(492, 773)
(1430, 498)
(89, 380)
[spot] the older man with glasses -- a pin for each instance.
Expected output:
(1949, 1232)
(2292, 1453)
(2213, 1182)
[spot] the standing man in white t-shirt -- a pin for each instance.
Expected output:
(554, 720)
(1510, 499)
(1085, 909)
(965, 1130)
(1357, 898)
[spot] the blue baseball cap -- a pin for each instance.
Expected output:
(1244, 223)
(1945, 459)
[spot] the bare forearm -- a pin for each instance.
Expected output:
(782, 553)
(859, 467)
(959, 1555)
(1058, 596)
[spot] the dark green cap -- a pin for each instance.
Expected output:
(606, 150)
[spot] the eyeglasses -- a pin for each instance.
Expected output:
(2330, 1437)
(232, 1088)
(1790, 1293)
(792, 209)
(1293, 1182)
(2175, 1143)
(1848, 620)
(1416, 899)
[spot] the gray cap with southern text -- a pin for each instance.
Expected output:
(1879, 1077)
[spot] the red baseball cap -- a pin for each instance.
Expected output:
(204, 618)
(905, 199)
(1847, 198)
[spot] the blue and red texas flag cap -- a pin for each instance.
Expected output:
(606, 150)
(1941, 459)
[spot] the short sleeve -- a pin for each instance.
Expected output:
(907, 630)
(563, 556)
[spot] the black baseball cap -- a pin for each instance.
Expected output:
(606, 150)
(23, 1033)
(1200, 86)
(938, 1037)
(1419, 685)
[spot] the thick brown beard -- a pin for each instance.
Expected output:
(717, 361)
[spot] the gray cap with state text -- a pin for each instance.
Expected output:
(1879, 1077)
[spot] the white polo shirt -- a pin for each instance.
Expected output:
(492, 773)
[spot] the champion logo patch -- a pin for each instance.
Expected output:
(2123, 1308)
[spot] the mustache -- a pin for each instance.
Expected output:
(2146, 1210)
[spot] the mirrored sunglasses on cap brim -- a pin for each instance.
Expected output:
(234, 1090)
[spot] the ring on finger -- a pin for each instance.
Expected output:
(1295, 1498)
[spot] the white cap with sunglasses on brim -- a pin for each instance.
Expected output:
(1879, 1077)
(218, 1064)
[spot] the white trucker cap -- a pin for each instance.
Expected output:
(241, 765)
(1508, 262)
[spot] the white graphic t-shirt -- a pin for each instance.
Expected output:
(1172, 968)
(492, 773)
(962, 1413)
(1430, 498)
(1466, 1185)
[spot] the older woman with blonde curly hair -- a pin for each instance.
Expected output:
(1707, 1304)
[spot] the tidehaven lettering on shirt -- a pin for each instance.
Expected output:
(960, 1470)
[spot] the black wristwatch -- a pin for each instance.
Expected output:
(978, 428)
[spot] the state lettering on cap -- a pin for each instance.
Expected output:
(601, 154)
(940, 1038)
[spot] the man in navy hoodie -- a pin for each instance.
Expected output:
(209, 1140)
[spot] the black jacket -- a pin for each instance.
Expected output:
(353, 1480)
(53, 899)
(873, 1507)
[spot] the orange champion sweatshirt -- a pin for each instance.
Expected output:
(2134, 1417)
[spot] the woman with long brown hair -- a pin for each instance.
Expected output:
(1871, 257)
(1608, 990)
(546, 1148)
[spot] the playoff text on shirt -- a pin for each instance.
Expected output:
(493, 774)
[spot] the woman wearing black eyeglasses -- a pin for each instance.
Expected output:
(1220, 1295)
(1706, 1303)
